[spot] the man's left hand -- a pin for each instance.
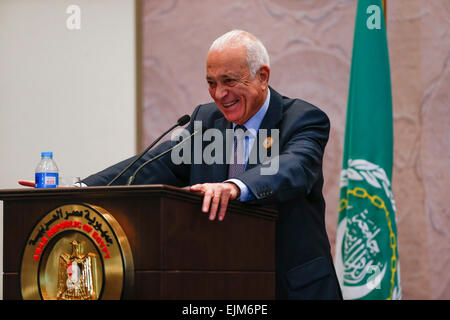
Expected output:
(215, 195)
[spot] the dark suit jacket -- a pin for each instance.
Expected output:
(304, 267)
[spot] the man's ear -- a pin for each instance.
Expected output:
(264, 75)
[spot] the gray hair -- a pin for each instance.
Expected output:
(257, 55)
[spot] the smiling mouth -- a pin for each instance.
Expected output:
(227, 105)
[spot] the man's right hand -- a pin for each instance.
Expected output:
(215, 195)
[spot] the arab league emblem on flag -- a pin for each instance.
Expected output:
(367, 261)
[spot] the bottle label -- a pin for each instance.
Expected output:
(46, 179)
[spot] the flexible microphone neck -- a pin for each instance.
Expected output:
(181, 122)
(131, 179)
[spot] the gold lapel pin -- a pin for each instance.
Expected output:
(267, 142)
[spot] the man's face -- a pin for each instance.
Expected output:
(237, 95)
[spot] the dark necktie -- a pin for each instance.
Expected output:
(237, 167)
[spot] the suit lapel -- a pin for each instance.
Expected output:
(270, 121)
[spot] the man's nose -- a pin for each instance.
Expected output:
(221, 91)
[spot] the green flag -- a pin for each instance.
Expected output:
(367, 261)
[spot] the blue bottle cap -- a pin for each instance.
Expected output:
(47, 154)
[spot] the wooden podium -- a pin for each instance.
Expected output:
(177, 253)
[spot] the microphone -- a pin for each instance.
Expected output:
(181, 122)
(131, 179)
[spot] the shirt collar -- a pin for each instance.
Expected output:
(255, 122)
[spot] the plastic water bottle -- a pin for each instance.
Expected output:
(46, 172)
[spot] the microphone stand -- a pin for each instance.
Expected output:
(182, 121)
(131, 179)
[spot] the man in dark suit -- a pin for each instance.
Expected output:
(288, 175)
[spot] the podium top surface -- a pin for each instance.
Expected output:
(16, 193)
(156, 190)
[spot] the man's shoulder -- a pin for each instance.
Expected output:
(297, 105)
(293, 108)
(207, 112)
(208, 108)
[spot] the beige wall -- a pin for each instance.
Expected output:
(419, 37)
(68, 91)
(310, 43)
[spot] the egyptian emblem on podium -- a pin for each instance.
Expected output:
(77, 252)
(77, 275)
